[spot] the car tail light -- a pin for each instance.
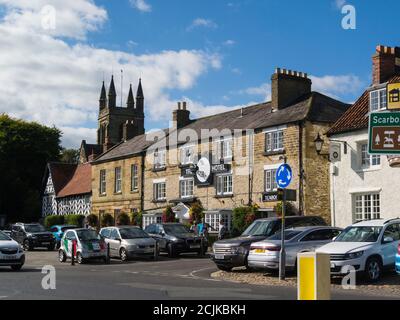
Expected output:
(398, 249)
(102, 245)
(273, 248)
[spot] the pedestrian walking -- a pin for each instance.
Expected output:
(222, 230)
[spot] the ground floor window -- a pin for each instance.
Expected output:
(149, 219)
(367, 206)
(213, 219)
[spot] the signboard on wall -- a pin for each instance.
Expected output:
(384, 133)
(393, 96)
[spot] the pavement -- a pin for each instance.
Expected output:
(185, 278)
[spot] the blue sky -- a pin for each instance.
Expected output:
(220, 54)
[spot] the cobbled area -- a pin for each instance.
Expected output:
(389, 285)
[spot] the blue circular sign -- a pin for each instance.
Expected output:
(284, 176)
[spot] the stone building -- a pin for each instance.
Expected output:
(237, 160)
(363, 186)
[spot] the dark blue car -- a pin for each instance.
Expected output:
(58, 231)
(398, 260)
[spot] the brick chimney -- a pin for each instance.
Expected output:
(181, 116)
(385, 63)
(288, 86)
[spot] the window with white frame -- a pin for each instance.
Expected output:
(118, 180)
(214, 218)
(134, 177)
(149, 219)
(224, 184)
(103, 185)
(186, 188)
(368, 160)
(367, 206)
(270, 180)
(187, 154)
(159, 191)
(378, 100)
(224, 148)
(274, 140)
(160, 159)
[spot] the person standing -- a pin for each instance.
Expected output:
(222, 230)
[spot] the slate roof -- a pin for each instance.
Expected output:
(70, 179)
(314, 106)
(356, 117)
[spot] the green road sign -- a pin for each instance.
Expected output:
(384, 133)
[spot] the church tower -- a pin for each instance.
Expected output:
(119, 123)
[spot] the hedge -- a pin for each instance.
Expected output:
(123, 220)
(107, 220)
(74, 219)
(50, 221)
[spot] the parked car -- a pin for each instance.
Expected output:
(265, 254)
(33, 235)
(128, 241)
(231, 253)
(368, 246)
(398, 259)
(58, 232)
(89, 246)
(11, 253)
(176, 238)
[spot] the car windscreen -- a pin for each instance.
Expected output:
(289, 234)
(175, 228)
(32, 228)
(63, 229)
(359, 234)
(87, 235)
(4, 237)
(259, 228)
(132, 233)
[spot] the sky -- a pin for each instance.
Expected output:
(216, 55)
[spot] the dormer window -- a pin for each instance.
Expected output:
(378, 100)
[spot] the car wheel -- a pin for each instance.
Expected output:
(27, 246)
(373, 269)
(224, 268)
(79, 258)
(62, 256)
(123, 254)
(16, 267)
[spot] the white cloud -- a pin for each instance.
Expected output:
(263, 90)
(141, 5)
(229, 42)
(337, 85)
(55, 82)
(201, 22)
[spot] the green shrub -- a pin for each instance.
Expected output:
(242, 218)
(290, 209)
(107, 220)
(168, 215)
(137, 218)
(123, 220)
(196, 212)
(93, 220)
(74, 219)
(53, 220)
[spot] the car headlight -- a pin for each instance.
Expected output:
(176, 240)
(238, 250)
(20, 249)
(354, 255)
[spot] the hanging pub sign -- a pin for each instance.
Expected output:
(203, 176)
(270, 196)
(187, 172)
(220, 168)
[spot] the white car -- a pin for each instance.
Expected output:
(368, 246)
(11, 253)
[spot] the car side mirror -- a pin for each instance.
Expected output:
(388, 240)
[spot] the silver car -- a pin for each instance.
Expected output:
(265, 254)
(128, 241)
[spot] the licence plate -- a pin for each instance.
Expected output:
(219, 257)
(96, 246)
(10, 257)
(45, 243)
(259, 251)
(195, 246)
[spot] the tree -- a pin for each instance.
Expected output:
(25, 149)
(69, 156)
(243, 217)
(123, 220)
(196, 212)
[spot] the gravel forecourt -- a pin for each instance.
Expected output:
(389, 285)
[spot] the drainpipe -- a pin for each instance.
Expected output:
(301, 170)
(142, 182)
